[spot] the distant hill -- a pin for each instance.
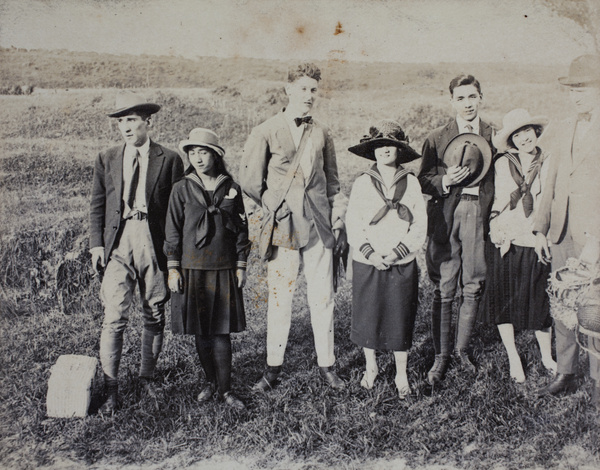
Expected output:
(65, 69)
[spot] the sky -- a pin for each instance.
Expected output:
(365, 30)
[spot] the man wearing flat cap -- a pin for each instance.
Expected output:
(130, 196)
(455, 173)
(568, 218)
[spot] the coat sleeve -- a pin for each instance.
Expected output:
(356, 217)
(98, 204)
(429, 178)
(337, 200)
(253, 166)
(243, 243)
(174, 228)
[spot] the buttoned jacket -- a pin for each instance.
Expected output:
(441, 206)
(313, 196)
(571, 194)
(165, 167)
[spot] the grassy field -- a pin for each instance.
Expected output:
(49, 302)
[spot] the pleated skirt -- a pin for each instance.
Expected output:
(384, 306)
(515, 289)
(211, 304)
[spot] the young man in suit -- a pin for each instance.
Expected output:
(289, 168)
(457, 225)
(568, 214)
(130, 196)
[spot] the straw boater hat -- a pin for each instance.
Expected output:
(584, 70)
(128, 101)
(470, 150)
(511, 123)
(385, 133)
(203, 138)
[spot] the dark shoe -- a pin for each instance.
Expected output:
(332, 378)
(149, 387)
(268, 380)
(234, 402)
(438, 370)
(561, 383)
(111, 389)
(463, 361)
(206, 393)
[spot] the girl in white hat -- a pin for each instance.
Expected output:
(207, 248)
(516, 297)
(387, 224)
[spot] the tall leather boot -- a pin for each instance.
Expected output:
(441, 320)
(152, 342)
(466, 321)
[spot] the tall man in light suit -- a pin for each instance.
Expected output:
(289, 168)
(458, 223)
(130, 196)
(568, 211)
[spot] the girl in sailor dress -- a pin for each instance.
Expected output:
(387, 224)
(207, 247)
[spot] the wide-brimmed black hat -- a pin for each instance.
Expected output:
(386, 132)
(470, 150)
(129, 101)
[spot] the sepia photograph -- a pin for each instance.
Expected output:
(326, 234)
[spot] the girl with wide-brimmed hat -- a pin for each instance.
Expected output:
(207, 248)
(516, 282)
(387, 224)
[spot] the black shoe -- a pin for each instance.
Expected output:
(561, 383)
(206, 393)
(233, 402)
(268, 380)
(463, 361)
(438, 370)
(111, 390)
(332, 378)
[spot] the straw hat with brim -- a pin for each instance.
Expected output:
(512, 122)
(584, 70)
(385, 133)
(128, 102)
(202, 138)
(470, 150)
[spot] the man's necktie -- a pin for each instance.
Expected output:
(469, 128)
(584, 117)
(301, 120)
(135, 178)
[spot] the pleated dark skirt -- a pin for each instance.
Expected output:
(211, 304)
(515, 289)
(384, 306)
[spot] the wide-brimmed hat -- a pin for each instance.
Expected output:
(512, 122)
(584, 70)
(470, 150)
(129, 101)
(383, 134)
(203, 138)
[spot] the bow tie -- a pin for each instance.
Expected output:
(584, 117)
(300, 120)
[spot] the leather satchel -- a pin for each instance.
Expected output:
(277, 227)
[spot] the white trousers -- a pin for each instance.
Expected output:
(283, 271)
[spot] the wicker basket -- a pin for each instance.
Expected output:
(70, 385)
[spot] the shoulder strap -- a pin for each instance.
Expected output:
(287, 182)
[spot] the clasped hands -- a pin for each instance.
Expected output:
(176, 284)
(382, 263)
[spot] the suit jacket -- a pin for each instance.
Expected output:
(165, 167)
(571, 186)
(268, 155)
(440, 208)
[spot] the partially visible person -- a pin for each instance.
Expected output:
(387, 225)
(289, 168)
(568, 212)
(130, 196)
(515, 293)
(207, 248)
(454, 172)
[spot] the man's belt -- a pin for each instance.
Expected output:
(137, 216)
(469, 197)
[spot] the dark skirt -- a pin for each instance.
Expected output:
(384, 306)
(211, 304)
(515, 289)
